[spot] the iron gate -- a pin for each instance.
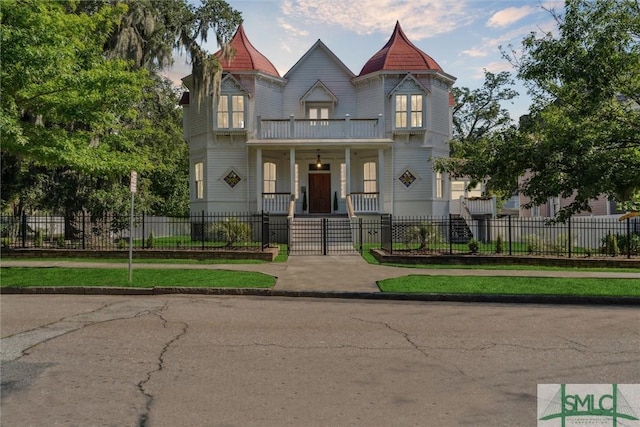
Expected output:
(321, 236)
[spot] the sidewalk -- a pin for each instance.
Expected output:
(340, 274)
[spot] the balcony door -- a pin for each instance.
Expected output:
(320, 193)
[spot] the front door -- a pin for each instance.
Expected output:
(320, 193)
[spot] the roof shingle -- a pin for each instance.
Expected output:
(246, 57)
(399, 54)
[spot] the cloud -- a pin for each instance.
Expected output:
(291, 29)
(420, 19)
(493, 67)
(474, 52)
(508, 16)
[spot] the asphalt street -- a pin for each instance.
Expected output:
(178, 360)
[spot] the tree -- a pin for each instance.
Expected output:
(583, 137)
(480, 125)
(83, 104)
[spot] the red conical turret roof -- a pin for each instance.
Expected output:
(399, 54)
(246, 57)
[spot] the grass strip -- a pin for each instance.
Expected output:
(142, 278)
(511, 285)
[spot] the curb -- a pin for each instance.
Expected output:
(471, 298)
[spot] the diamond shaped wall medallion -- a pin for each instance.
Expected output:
(407, 178)
(232, 179)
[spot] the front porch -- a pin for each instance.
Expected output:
(356, 203)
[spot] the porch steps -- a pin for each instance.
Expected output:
(309, 237)
(460, 231)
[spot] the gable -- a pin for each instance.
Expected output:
(319, 93)
(230, 84)
(409, 84)
(319, 53)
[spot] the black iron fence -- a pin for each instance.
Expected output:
(579, 237)
(203, 231)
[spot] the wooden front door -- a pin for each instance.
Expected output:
(320, 193)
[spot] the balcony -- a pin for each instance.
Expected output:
(346, 128)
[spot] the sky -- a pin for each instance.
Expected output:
(463, 36)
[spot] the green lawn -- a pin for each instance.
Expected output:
(511, 285)
(142, 278)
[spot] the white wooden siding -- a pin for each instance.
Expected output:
(318, 65)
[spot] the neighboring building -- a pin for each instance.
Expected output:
(322, 133)
(601, 206)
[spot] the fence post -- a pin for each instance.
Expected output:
(84, 229)
(509, 224)
(569, 236)
(628, 237)
(324, 236)
(203, 230)
(23, 228)
(450, 234)
(361, 234)
(143, 233)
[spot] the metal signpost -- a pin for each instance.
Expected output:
(133, 187)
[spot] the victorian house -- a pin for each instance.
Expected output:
(321, 139)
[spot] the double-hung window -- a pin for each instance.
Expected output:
(269, 182)
(319, 113)
(370, 177)
(408, 111)
(198, 172)
(231, 112)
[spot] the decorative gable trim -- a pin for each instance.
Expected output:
(230, 84)
(319, 92)
(409, 84)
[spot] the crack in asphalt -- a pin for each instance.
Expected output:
(20, 344)
(143, 419)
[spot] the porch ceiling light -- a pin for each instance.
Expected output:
(318, 161)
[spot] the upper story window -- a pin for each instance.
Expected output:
(231, 112)
(318, 115)
(408, 111)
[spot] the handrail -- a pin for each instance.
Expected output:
(350, 212)
(292, 207)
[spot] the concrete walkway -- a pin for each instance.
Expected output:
(333, 273)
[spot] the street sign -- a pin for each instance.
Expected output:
(134, 181)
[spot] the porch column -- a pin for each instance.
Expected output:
(259, 179)
(292, 170)
(347, 161)
(380, 180)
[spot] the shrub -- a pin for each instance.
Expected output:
(534, 243)
(60, 242)
(474, 246)
(561, 245)
(231, 230)
(634, 241)
(39, 238)
(150, 243)
(7, 242)
(425, 233)
(499, 244)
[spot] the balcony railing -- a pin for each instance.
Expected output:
(480, 205)
(276, 203)
(365, 202)
(346, 128)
